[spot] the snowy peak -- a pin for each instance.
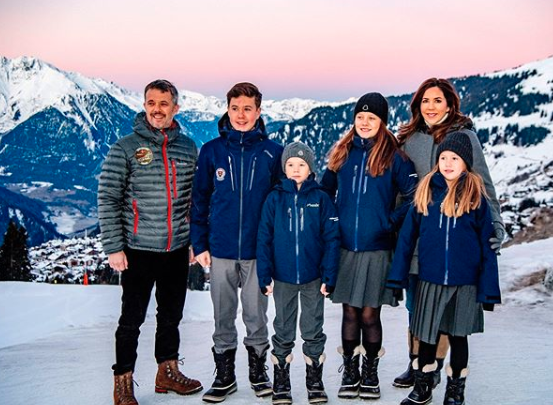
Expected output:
(539, 76)
(29, 85)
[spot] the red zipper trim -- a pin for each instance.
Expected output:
(168, 188)
(174, 167)
(135, 210)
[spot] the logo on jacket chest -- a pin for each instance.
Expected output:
(220, 174)
(144, 156)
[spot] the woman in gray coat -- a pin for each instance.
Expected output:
(435, 113)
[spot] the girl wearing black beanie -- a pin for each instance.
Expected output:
(366, 172)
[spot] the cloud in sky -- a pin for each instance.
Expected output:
(323, 49)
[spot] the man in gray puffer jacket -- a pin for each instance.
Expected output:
(143, 205)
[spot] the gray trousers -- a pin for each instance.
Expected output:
(227, 276)
(286, 319)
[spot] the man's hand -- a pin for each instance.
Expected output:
(118, 261)
(204, 259)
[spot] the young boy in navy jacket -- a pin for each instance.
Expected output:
(298, 250)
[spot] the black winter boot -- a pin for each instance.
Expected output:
(422, 390)
(314, 380)
(455, 389)
(259, 380)
(407, 379)
(370, 386)
(282, 390)
(225, 380)
(351, 378)
(438, 373)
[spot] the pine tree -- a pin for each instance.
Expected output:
(14, 255)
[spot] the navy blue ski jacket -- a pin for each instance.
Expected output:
(452, 251)
(234, 174)
(299, 238)
(366, 205)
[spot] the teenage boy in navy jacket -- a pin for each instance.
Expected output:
(235, 172)
(298, 247)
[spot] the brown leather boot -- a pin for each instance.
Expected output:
(123, 393)
(169, 378)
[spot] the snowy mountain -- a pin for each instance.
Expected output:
(56, 128)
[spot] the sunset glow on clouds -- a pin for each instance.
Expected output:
(322, 49)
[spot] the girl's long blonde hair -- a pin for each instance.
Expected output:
(463, 195)
(382, 153)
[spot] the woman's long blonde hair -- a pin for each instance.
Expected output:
(382, 153)
(463, 195)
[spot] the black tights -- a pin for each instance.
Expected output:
(355, 320)
(459, 357)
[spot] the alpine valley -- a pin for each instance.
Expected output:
(56, 128)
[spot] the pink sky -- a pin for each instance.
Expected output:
(321, 49)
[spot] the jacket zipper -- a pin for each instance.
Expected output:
(241, 196)
(253, 172)
(446, 277)
(231, 174)
(297, 240)
(290, 216)
(354, 179)
(168, 188)
(135, 210)
(358, 201)
(174, 168)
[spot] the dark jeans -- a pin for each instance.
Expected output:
(169, 272)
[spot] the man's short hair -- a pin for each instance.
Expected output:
(245, 89)
(163, 86)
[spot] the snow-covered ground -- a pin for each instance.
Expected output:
(56, 345)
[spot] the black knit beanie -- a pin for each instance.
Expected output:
(374, 103)
(300, 150)
(459, 143)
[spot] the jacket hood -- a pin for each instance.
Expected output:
(363, 143)
(439, 184)
(226, 131)
(289, 185)
(143, 128)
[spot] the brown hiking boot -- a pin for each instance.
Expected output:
(169, 378)
(123, 393)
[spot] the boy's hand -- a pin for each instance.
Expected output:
(267, 290)
(326, 290)
(204, 259)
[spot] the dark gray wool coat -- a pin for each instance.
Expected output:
(145, 188)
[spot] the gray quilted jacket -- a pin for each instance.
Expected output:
(144, 189)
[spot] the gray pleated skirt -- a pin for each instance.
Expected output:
(447, 309)
(362, 278)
